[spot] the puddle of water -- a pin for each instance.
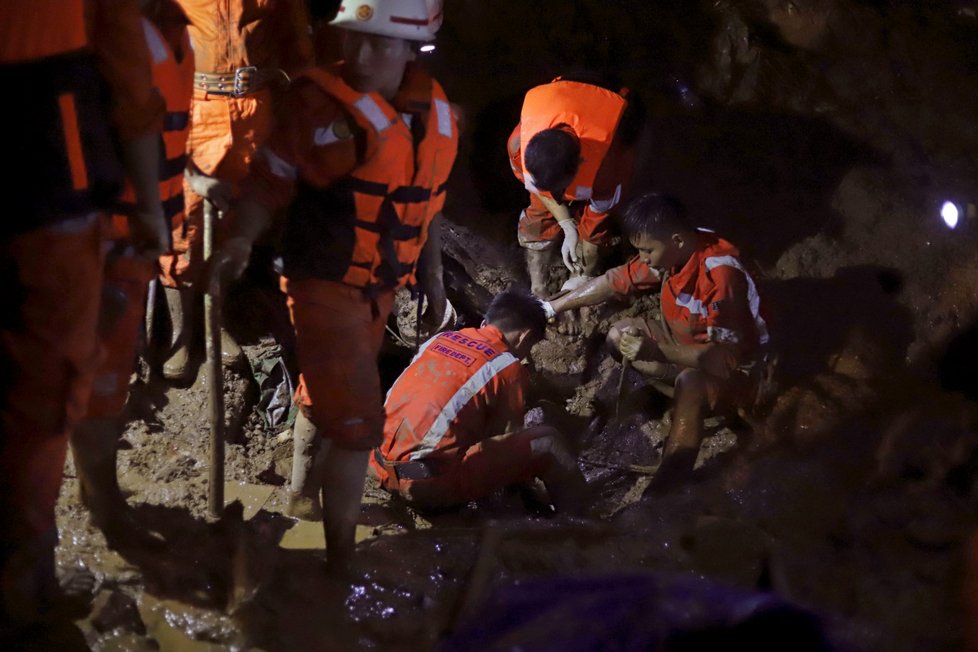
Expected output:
(308, 535)
(252, 496)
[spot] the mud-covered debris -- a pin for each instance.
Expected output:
(114, 609)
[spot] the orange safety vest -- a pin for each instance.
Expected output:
(58, 124)
(367, 229)
(590, 111)
(174, 79)
(469, 380)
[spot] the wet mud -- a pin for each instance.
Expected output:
(818, 138)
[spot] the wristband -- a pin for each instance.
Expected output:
(548, 309)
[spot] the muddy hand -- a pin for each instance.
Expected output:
(216, 191)
(630, 343)
(228, 262)
(150, 233)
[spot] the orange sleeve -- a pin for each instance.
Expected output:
(291, 152)
(728, 313)
(120, 45)
(634, 277)
(513, 151)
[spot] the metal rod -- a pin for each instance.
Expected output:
(625, 364)
(215, 375)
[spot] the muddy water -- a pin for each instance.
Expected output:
(816, 517)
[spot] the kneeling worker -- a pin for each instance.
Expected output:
(705, 347)
(454, 417)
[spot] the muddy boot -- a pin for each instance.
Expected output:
(231, 353)
(180, 302)
(307, 461)
(538, 262)
(344, 473)
(93, 446)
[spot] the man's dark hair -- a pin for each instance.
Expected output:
(516, 309)
(552, 157)
(656, 216)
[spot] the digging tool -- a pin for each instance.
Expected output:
(625, 364)
(215, 374)
(151, 291)
(417, 321)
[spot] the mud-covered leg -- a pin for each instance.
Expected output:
(344, 473)
(307, 470)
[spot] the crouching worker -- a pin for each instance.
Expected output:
(704, 349)
(454, 417)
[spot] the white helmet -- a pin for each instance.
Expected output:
(415, 20)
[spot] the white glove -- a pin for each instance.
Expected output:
(548, 309)
(568, 250)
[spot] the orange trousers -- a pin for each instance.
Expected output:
(490, 465)
(338, 332)
(124, 288)
(52, 279)
(225, 133)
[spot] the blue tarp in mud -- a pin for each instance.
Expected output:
(628, 613)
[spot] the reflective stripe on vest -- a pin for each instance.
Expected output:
(393, 207)
(469, 389)
(591, 112)
(420, 202)
(174, 80)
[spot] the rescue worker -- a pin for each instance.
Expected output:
(573, 152)
(246, 53)
(94, 440)
(60, 55)
(454, 429)
(363, 163)
(706, 348)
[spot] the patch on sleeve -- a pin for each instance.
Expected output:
(334, 133)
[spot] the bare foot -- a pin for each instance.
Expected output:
(569, 323)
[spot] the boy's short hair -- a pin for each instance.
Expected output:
(656, 216)
(552, 156)
(516, 309)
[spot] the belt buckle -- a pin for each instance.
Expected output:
(244, 78)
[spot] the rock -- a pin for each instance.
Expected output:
(115, 609)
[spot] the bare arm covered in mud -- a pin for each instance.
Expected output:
(596, 291)
(430, 275)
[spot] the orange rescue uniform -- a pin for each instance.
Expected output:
(244, 51)
(711, 298)
(126, 276)
(362, 187)
(592, 114)
(57, 53)
(444, 417)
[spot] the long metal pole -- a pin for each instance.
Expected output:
(215, 375)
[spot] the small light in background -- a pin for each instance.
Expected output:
(950, 214)
(428, 47)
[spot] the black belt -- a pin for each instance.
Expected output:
(409, 470)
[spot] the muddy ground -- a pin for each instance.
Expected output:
(819, 136)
